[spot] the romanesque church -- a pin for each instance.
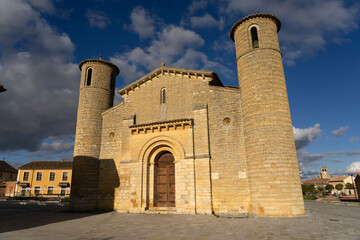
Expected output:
(182, 142)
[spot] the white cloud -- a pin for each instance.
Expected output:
(170, 46)
(353, 139)
(353, 167)
(307, 174)
(224, 44)
(206, 21)
(304, 136)
(141, 22)
(197, 5)
(56, 146)
(97, 19)
(308, 26)
(43, 5)
(305, 158)
(36, 69)
(339, 132)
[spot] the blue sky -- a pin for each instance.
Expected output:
(42, 42)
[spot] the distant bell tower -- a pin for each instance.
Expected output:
(324, 174)
(97, 87)
(273, 170)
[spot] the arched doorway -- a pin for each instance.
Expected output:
(165, 180)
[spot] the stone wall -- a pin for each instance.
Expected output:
(270, 150)
(229, 176)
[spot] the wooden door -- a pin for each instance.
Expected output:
(165, 181)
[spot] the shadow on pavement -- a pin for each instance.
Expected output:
(17, 215)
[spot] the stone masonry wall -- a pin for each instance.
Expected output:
(270, 150)
(93, 100)
(230, 187)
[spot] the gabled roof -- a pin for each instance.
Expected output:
(5, 167)
(172, 70)
(47, 165)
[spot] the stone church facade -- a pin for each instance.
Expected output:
(183, 142)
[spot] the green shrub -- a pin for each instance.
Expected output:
(349, 186)
(309, 197)
(304, 188)
(311, 188)
(65, 199)
(339, 186)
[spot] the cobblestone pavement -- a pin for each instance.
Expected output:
(33, 220)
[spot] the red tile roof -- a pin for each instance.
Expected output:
(316, 181)
(48, 165)
(5, 167)
(338, 179)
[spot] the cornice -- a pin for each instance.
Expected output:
(113, 66)
(256, 15)
(172, 70)
(164, 125)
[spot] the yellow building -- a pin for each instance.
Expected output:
(44, 178)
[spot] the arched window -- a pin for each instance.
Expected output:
(88, 77)
(163, 96)
(254, 37)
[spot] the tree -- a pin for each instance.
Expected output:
(320, 189)
(349, 186)
(304, 188)
(329, 187)
(311, 188)
(339, 186)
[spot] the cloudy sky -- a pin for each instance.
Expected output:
(42, 42)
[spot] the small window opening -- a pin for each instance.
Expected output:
(254, 37)
(163, 96)
(88, 80)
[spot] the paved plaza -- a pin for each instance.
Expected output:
(37, 220)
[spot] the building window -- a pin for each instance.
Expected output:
(23, 192)
(0, 174)
(50, 190)
(88, 77)
(65, 176)
(254, 37)
(38, 176)
(163, 96)
(37, 190)
(63, 192)
(52, 176)
(26, 176)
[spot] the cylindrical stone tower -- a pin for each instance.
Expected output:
(97, 87)
(273, 169)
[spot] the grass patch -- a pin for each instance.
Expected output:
(309, 197)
